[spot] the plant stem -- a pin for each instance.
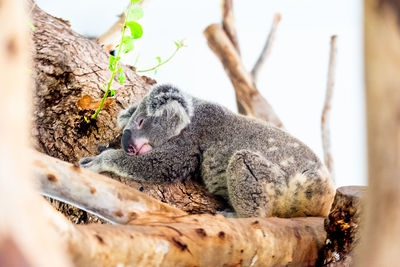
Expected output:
(162, 63)
(94, 116)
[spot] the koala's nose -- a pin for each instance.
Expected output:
(126, 137)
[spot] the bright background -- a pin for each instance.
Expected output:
(293, 79)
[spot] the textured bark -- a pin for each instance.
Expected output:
(380, 244)
(68, 69)
(343, 225)
(26, 237)
(249, 100)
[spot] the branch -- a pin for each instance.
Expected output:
(249, 100)
(267, 47)
(326, 140)
(228, 23)
(93, 192)
(194, 241)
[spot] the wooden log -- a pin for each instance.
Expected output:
(250, 102)
(343, 226)
(381, 236)
(69, 69)
(160, 235)
(201, 240)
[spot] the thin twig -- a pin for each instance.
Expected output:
(267, 47)
(325, 131)
(228, 23)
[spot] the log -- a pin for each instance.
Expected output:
(200, 240)
(250, 101)
(381, 236)
(20, 208)
(343, 226)
(161, 235)
(69, 71)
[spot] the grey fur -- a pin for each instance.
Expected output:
(260, 169)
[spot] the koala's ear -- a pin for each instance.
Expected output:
(125, 115)
(170, 101)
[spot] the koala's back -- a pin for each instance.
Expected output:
(300, 181)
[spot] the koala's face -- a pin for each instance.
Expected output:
(155, 121)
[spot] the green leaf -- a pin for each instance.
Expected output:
(135, 1)
(86, 119)
(134, 13)
(112, 60)
(135, 28)
(121, 78)
(158, 59)
(112, 92)
(128, 44)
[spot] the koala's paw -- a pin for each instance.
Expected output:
(91, 163)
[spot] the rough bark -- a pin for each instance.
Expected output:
(343, 225)
(20, 208)
(250, 102)
(69, 70)
(381, 237)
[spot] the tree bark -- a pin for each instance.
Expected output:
(343, 226)
(69, 71)
(381, 236)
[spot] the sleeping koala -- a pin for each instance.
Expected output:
(260, 169)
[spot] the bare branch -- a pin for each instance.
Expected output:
(267, 47)
(93, 192)
(228, 23)
(250, 102)
(326, 136)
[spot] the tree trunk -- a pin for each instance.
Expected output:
(343, 225)
(381, 236)
(26, 237)
(69, 71)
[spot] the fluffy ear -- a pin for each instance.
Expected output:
(125, 115)
(166, 99)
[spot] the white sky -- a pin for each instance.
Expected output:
(293, 79)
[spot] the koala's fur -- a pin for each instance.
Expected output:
(260, 169)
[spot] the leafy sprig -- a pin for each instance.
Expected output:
(132, 14)
(178, 44)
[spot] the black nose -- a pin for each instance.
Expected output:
(125, 140)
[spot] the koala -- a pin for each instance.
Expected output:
(259, 169)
